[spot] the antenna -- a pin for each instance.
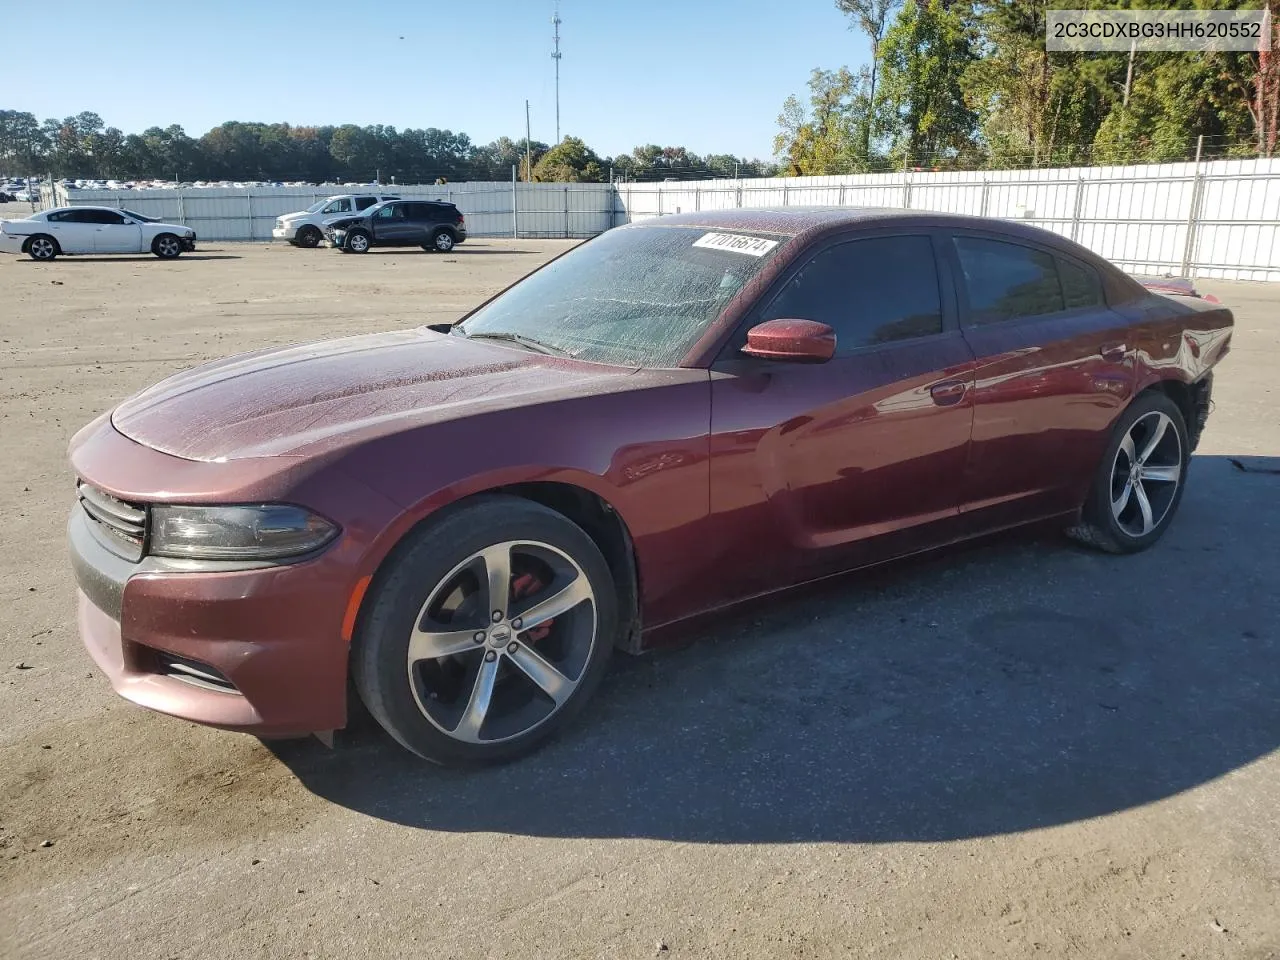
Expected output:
(555, 55)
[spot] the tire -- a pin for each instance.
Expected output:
(1123, 516)
(441, 241)
(308, 237)
(426, 694)
(167, 247)
(43, 248)
(358, 241)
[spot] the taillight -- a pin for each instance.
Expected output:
(461, 219)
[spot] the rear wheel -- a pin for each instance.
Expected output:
(1139, 483)
(491, 631)
(42, 248)
(442, 241)
(166, 246)
(358, 241)
(308, 237)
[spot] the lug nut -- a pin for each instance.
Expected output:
(517, 623)
(497, 615)
(512, 647)
(490, 657)
(479, 636)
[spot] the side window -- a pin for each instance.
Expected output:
(339, 206)
(61, 216)
(421, 211)
(869, 291)
(1081, 286)
(364, 203)
(390, 212)
(103, 216)
(1007, 280)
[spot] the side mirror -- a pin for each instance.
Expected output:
(800, 341)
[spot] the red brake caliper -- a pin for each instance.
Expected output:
(526, 585)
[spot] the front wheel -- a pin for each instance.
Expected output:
(167, 247)
(308, 237)
(358, 241)
(1138, 485)
(490, 632)
(42, 248)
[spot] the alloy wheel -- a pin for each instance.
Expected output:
(168, 247)
(502, 642)
(42, 249)
(444, 242)
(359, 243)
(1146, 474)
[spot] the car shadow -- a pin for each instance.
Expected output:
(1016, 683)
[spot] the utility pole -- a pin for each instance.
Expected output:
(528, 146)
(1128, 78)
(555, 55)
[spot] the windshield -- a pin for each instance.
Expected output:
(139, 217)
(636, 296)
(316, 207)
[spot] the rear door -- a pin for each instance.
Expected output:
(73, 229)
(115, 233)
(819, 467)
(1055, 367)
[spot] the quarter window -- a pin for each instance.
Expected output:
(1080, 285)
(869, 291)
(1007, 280)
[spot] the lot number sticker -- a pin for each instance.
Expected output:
(736, 243)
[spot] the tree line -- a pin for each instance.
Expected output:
(83, 147)
(956, 84)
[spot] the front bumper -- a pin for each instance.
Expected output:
(188, 243)
(284, 233)
(268, 636)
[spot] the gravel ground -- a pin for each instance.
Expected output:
(1010, 748)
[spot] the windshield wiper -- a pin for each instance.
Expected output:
(519, 338)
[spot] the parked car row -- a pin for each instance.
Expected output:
(355, 223)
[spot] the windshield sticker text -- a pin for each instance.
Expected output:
(735, 243)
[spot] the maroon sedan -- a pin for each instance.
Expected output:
(464, 520)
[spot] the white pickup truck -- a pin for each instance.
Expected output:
(306, 227)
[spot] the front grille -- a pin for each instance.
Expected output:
(124, 523)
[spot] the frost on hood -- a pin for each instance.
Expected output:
(639, 296)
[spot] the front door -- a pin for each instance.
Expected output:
(821, 467)
(392, 226)
(116, 233)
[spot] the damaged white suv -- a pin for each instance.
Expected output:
(306, 227)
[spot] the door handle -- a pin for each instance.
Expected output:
(949, 392)
(1113, 352)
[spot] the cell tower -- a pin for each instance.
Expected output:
(555, 55)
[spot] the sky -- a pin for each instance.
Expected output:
(709, 75)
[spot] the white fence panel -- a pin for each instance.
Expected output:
(1219, 219)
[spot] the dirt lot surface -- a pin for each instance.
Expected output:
(1014, 749)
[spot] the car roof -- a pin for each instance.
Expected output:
(815, 222)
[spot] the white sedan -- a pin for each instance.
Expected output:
(46, 234)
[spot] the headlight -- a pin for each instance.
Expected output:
(260, 532)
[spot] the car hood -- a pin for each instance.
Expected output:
(314, 397)
(174, 227)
